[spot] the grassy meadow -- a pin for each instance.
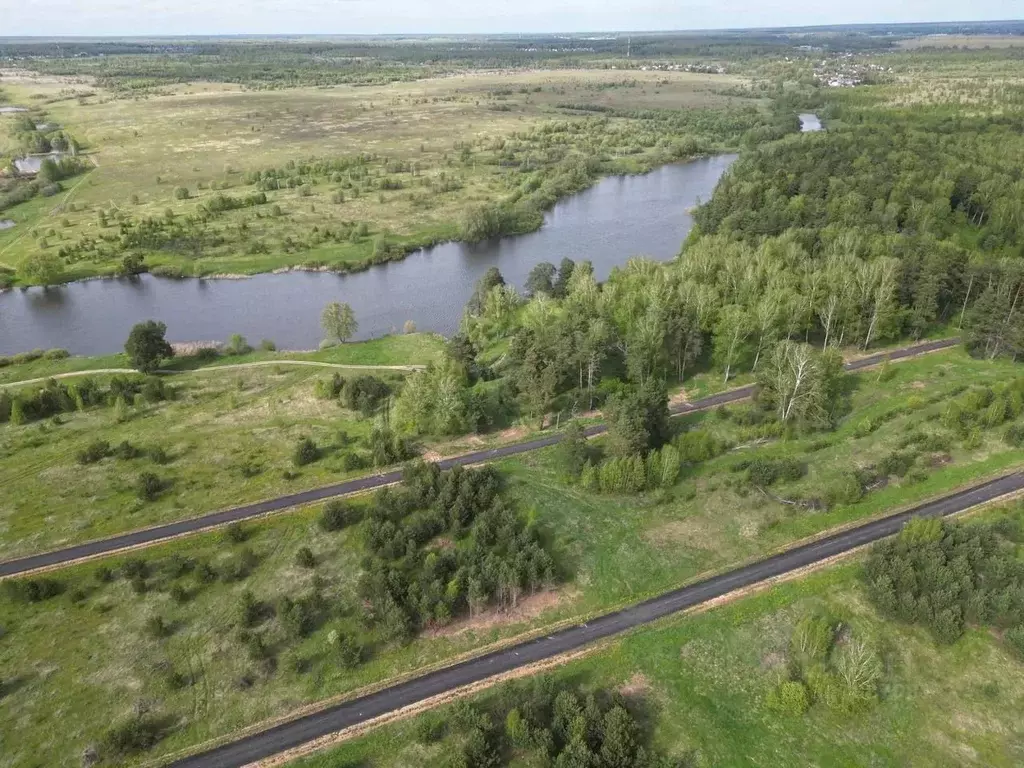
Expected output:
(194, 670)
(431, 149)
(228, 436)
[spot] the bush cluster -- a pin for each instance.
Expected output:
(492, 556)
(944, 575)
(56, 397)
(843, 676)
(541, 722)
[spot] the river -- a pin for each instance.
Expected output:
(619, 217)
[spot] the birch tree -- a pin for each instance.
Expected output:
(731, 332)
(800, 384)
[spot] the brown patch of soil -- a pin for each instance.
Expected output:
(637, 685)
(939, 460)
(441, 542)
(687, 533)
(432, 456)
(918, 385)
(528, 608)
(680, 397)
(513, 433)
(773, 660)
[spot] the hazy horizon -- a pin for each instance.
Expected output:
(185, 18)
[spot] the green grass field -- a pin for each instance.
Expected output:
(229, 435)
(448, 132)
(611, 551)
(702, 682)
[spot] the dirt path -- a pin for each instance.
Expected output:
(214, 368)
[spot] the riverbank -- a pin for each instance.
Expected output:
(606, 224)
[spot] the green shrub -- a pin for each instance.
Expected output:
(268, 346)
(153, 390)
(250, 610)
(134, 568)
(138, 733)
(349, 652)
(179, 594)
(32, 590)
(789, 698)
(27, 357)
(56, 354)
(305, 558)
(305, 453)
(698, 445)
(1014, 435)
(148, 486)
(157, 627)
(765, 472)
(1015, 639)
(95, 452)
(973, 439)
(864, 428)
(897, 463)
(235, 533)
(337, 515)
(158, 455)
(848, 489)
(590, 478)
(126, 451)
(812, 639)
(430, 728)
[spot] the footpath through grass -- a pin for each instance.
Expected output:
(408, 349)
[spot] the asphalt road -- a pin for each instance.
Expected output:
(149, 536)
(325, 722)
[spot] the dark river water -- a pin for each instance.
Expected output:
(619, 217)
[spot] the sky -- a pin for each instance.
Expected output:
(213, 17)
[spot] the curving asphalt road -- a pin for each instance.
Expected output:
(149, 536)
(292, 734)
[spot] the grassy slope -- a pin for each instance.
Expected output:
(613, 550)
(206, 132)
(703, 680)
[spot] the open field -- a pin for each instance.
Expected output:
(710, 520)
(970, 42)
(412, 158)
(228, 437)
(702, 684)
